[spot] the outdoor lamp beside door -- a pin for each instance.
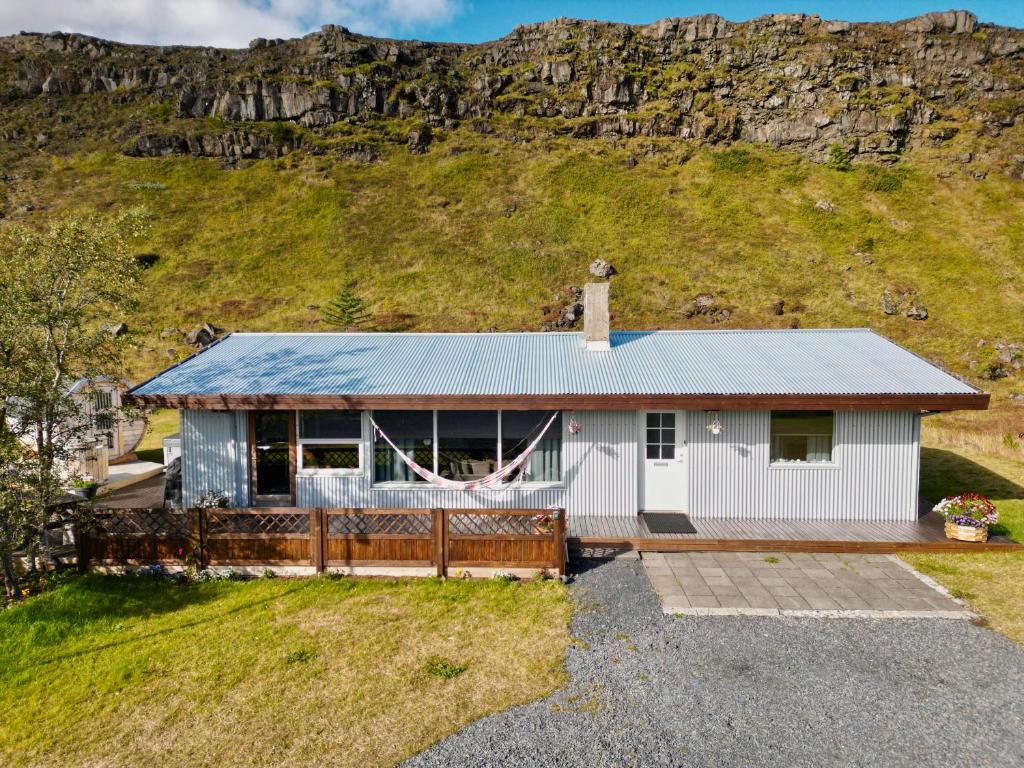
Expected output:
(715, 426)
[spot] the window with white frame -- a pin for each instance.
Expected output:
(467, 445)
(330, 442)
(802, 437)
(103, 417)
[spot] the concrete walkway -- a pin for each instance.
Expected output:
(760, 584)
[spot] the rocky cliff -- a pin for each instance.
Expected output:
(791, 81)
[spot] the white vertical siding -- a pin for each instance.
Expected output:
(358, 491)
(602, 464)
(874, 474)
(874, 477)
(214, 451)
(599, 477)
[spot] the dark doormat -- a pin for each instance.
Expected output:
(668, 522)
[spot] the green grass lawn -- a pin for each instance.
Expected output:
(993, 582)
(111, 671)
(161, 423)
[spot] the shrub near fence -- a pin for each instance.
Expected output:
(320, 539)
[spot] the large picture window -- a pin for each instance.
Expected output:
(802, 437)
(413, 433)
(519, 429)
(330, 441)
(467, 445)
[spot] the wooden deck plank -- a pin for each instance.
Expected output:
(721, 534)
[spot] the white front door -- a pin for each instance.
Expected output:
(664, 450)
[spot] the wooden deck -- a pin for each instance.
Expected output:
(720, 535)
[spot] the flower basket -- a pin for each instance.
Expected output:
(967, 516)
(86, 491)
(966, 532)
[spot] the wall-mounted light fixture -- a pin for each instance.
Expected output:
(715, 426)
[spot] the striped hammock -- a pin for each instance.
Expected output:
(491, 481)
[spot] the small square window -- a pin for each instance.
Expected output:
(330, 441)
(802, 437)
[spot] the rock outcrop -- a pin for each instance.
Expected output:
(787, 80)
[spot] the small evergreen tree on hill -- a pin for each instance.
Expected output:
(345, 311)
(838, 158)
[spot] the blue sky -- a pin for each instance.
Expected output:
(232, 23)
(489, 19)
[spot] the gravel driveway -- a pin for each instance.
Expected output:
(652, 690)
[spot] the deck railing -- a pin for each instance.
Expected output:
(322, 538)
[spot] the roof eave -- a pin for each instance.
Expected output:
(975, 401)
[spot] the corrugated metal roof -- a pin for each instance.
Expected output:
(789, 362)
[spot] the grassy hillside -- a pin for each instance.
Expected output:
(480, 232)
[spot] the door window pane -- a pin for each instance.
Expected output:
(467, 444)
(273, 470)
(413, 433)
(661, 435)
(519, 429)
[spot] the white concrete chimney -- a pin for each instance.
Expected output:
(595, 317)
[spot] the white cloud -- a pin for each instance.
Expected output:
(223, 23)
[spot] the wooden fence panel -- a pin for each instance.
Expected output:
(379, 537)
(137, 537)
(259, 536)
(504, 538)
(323, 538)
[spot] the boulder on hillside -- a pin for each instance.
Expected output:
(703, 305)
(700, 305)
(993, 371)
(203, 336)
(890, 305)
(419, 139)
(602, 268)
(566, 310)
(115, 329)
(902, 299)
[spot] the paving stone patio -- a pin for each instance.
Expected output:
(759, 583)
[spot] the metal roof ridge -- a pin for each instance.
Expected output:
(782, 331)
(407, 333)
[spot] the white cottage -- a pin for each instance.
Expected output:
(760, 424)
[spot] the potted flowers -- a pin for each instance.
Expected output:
(967, 516)
(85, 488)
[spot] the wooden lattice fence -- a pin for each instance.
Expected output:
(330, 538)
